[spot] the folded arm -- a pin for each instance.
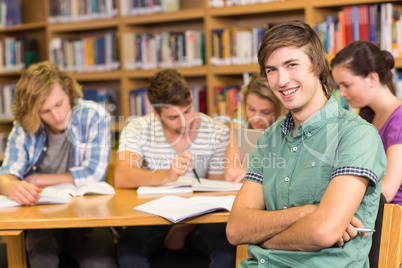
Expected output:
(327, 225)
(250, 223)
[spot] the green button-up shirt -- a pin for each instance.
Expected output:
(296, 171)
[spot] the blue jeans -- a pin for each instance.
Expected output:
(137, 244)
(90, 247)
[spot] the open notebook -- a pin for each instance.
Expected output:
(175, 208)
(188, 185)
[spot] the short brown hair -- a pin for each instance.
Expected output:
(168, 87)
(295, 33)
(34, 87)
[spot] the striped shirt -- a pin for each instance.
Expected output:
(89, 133)
(146, 137)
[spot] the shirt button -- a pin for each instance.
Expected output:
(294, 149)
(309, 134)
(287, 179)
(44, 149)
(313, 164)
(34, 167)
(285, 207)
(262, 261)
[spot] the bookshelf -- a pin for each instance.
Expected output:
(193, 15)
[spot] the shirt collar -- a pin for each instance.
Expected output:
(315, 122)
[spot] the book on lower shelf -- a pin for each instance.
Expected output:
(175, 208)
(63, 193)
(188, 185)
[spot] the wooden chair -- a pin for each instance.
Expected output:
(391, 239)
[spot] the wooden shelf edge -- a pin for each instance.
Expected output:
(24, 27)
(97, 76)
(234, 69)
(188, 71)
(84, 25)
(184, 14)
(335, 3)
(269, 7)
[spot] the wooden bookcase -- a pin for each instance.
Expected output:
(194, 15)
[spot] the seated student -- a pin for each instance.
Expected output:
(301, 209)
(159, 148)
(364, 75)
(259, 109)
(57, 138)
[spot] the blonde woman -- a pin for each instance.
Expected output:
(259, 109)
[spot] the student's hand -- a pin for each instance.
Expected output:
(33, 179)
(351, 232)
(180, 165)
(25, 193)
(176, 237)
(240, 178)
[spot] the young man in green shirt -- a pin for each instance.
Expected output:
(315, 175)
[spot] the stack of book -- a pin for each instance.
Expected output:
(10, 12)
(377, 23)
(6, 101)
(236, 45)
(79, 10)
(164, 50)
(17, 53)
(138, 7)
(228, 3)
(89, 54)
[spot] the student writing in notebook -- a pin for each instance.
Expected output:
(57, 138)
(259, 109)
(303, 211)
(364, 75)
(159, 148)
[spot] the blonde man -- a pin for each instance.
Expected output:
(56, 138)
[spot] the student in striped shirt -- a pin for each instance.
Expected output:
(57, 138)
(159, 148)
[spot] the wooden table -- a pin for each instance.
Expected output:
(88, 211)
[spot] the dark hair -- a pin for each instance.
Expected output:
(363, 58)
(168, 87)
(297, 34)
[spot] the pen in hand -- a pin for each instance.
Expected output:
(196, 175)
(364, 230)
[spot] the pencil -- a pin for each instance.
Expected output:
(196, 175)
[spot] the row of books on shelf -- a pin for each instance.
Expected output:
(107, 96)
(6, 101)
(228, 3)
(88, 54)
(163, 50)
(141, 7)
(236, 45)
(10, 12)
(3, 144)
(378, 23)
(139, 104)
(81, 10)
(17, 53)
(227, 98)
